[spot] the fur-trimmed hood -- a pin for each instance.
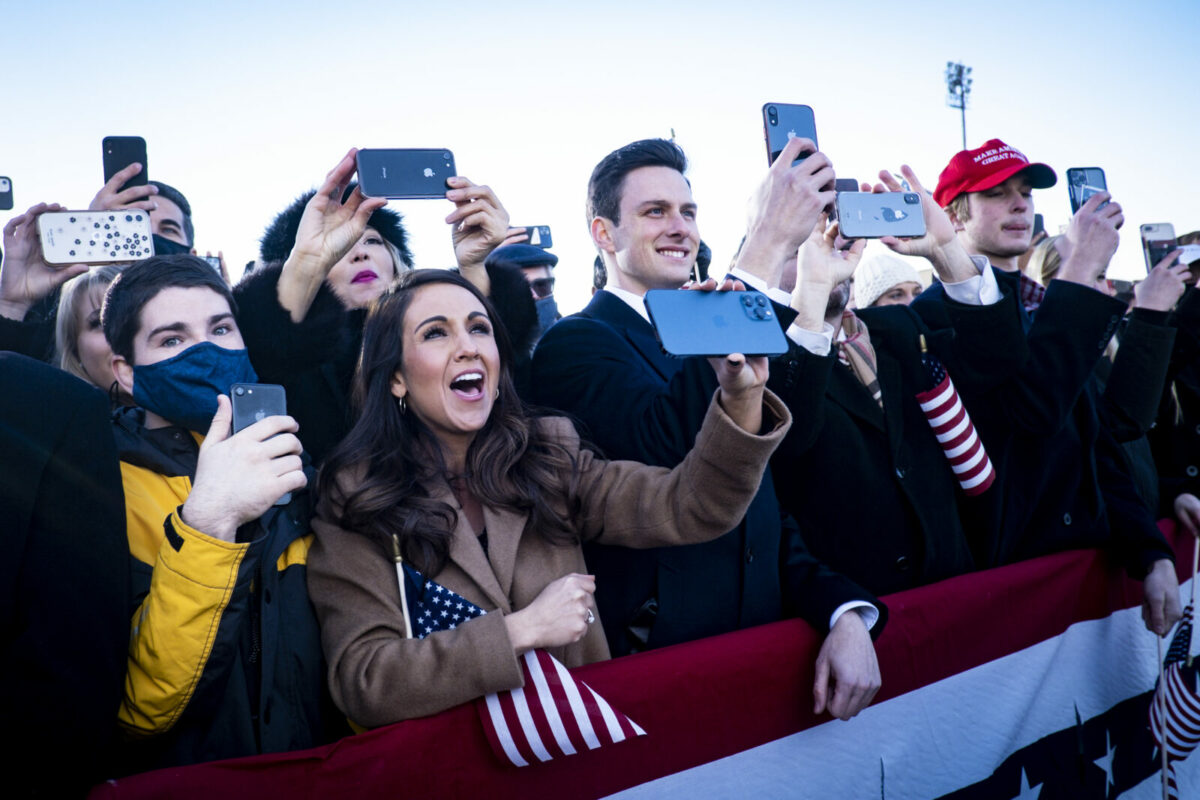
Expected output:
(280, 236)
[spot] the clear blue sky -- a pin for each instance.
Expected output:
(244, 108)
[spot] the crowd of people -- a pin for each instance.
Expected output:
(182, 592)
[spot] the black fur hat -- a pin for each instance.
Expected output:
(280, 236)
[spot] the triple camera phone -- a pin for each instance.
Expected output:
(696, 323)
(1082, 183)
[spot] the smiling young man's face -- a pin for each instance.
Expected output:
(656, 241)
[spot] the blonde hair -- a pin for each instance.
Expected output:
(959, 208)
(1045, 261)
(66, 326)
(399, 264)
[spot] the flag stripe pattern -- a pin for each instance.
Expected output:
(551, 716)
(1175, 711)
(956, 434)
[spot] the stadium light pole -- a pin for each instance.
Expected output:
(958, 86)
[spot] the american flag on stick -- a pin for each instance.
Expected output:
(551, 716)
(953, 428)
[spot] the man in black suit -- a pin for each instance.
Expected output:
(65, 580)
(605, 366)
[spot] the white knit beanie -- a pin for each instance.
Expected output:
(879, 272)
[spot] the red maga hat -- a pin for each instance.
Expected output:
(985, 167)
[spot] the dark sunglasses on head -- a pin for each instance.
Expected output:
(542, 287)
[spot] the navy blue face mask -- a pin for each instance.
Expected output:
(165, 247)
(184, 388)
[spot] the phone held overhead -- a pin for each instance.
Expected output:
(1082, 183)
(784, 121)
(872, 215)
(405, 174)
(121, 151)
(95, 237)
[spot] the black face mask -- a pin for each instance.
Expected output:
(165, 247)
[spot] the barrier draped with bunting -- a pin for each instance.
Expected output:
(1031, 680)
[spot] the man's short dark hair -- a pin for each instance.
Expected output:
(140, 283)
(608, 178)
(176, 197)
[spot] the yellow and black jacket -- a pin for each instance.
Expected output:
(224, 654)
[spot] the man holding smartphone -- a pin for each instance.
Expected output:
(604, 366)
(1062, 480)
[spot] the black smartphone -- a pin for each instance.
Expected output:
(539, 236)
(257, 401)
(1082, 183)
(1158, 240)
(695, 323)
(405, 174)
(6, 199)
(214, 262)
(1039, 225)
(845, 185)
(119, 153)
(784, 121)
(870, 215)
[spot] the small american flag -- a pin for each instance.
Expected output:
(1175, 711)
(953, 428)
(553, 715)
(432, 607)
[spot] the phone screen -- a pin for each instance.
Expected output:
(784, 121)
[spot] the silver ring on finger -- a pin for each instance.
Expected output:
(590, 617)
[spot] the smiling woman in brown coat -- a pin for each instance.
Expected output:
(492, 504)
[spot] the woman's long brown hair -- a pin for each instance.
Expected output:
(376, 481)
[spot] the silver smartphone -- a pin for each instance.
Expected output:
(871, 215)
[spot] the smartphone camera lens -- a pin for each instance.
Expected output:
(240, 391)
(912, 198)
(773, 115)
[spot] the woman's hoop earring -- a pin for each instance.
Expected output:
(403, 404)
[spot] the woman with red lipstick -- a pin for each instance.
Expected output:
(488, 505)
(323, 261)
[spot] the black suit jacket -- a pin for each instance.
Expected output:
(605, 367)
(64, 580)
(1055, 463)
(871, 488)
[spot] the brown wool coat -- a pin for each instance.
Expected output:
(377, 676)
